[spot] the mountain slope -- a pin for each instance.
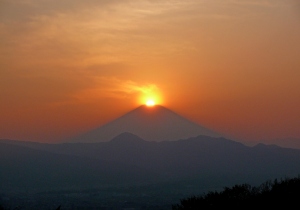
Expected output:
(202, 157)
(150, 123)
(26, 169)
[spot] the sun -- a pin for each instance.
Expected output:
(150, 102)
(150, 99)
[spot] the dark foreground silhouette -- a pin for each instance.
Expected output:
(284, 194)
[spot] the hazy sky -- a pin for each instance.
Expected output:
(73, 65)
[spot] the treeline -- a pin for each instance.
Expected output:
(284, 194)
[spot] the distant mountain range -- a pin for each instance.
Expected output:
(282, 142)
(129, 160)
(155, 123)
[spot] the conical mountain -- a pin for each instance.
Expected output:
(155, 123)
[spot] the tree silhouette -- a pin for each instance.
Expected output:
(280, 194)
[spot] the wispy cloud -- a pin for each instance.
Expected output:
(117, 88)
(113, 88)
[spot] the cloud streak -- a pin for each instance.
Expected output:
(111, 87)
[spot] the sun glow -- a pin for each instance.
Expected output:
(150, 97)
(150, 102)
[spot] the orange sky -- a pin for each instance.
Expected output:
(69, 66)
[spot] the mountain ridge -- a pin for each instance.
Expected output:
(184, 157)
(156, 123)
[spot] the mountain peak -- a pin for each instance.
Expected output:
(150, 108)
(155, 123)
(126, 137)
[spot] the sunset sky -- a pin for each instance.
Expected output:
(69, 66)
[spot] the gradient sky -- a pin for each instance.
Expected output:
(69, 66)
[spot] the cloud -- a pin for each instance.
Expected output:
(46, 32)
(114, 88)
(124, 88)
(23, 10)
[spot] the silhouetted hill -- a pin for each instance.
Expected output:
(155, 123)
(126, 138)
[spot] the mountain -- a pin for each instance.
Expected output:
(155, 123)
(128, 169)
(282, 142)
(200, 157)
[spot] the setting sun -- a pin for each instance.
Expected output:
(150, 103)
(150, 97)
